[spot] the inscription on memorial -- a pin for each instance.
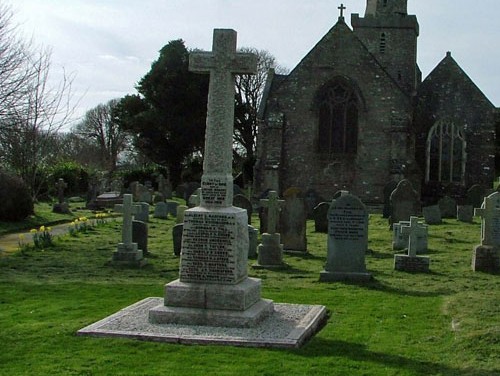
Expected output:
(345, 223)
(214, 191)
(208, 249)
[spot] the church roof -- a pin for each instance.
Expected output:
(339, 38)
(449, 74)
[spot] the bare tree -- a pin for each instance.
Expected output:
(29, 126)
(249, 90)
(101, 126)
(15, 72)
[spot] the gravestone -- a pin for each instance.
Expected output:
(475, 196)
(214, 288)
(411, 262)
(61, 206)
(242, 202)
(388, 189)
(172, 208)
(164, 187)
(143, 214)
(189, 189)
(92, 195)
(253, 238)
(465, 213)
(177, 238)
(432, 215)
(181, 209)
(108, 200)
(448, 207)
(312, 199)
(143, 194)
(347, 241)
(486, 256)
(405, 202)
(400, 236)
(293, 221)
(161, 210)
(195, 198)
(127, 251)
(140, 236)
(320, 216)
(270, 251)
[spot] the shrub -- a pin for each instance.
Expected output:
(15, 196)
(73, 174)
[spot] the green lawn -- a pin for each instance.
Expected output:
(443, 323)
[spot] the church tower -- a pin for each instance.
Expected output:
(390, 34)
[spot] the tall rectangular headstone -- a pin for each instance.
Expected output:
(293, 221)
(213, 281)
(347, 240)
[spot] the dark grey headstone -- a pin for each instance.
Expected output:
(465, 213)
(253, 234)
(432, 215)
(161, 210)
(320, 216)
(312, 199)
(475, 195)
(177, 238)
(143, 216)
(405, 202)
(172, 208)
(242, 202)
(388, 189)
(448, 207)
(140, 235)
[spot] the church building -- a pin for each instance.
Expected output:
(356, 115)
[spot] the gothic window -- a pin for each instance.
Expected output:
(338, 120)
(382, 43)
(446, 155)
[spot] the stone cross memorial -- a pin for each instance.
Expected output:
(411, 262)
(270, 251)
(214, 288)
(486, 256)
(128, 252)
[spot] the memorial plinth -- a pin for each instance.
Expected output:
(213, 286)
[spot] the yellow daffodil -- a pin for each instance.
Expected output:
(42, 228)
(33, 230)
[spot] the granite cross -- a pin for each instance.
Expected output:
(273, 205)
(490, 213)
(342, 8)
(128, 209)
(223, 63)
(61, 185)
(412, 232)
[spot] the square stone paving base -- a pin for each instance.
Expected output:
(289, 326)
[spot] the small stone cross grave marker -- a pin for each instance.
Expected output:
(490, 213)
(273, 205)
(128, 209)
(412, 231)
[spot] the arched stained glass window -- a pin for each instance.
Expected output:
(446, 156)
(338, 120)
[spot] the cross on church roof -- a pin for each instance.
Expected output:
(342, 8)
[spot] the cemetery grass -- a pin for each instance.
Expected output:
(446, 322)
(44, 216)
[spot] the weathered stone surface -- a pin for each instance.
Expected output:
(181, 209)
(401, 238)
(270, 252)
(475, 195)
(140, 236)
(242, 202)
(432, 215)
(411, 264)
(143, 214)
(320, 216)
(293, 221)
(486, 256)
(172, 208)
(388, 189)
(486, 259)
(347, 240)
(405, 202)
(161, 210)
(448, 207)
(465, 213)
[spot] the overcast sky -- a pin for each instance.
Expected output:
(110, 44)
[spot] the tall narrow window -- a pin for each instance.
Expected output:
(383, 43)
(446, 155)
(338, 120)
